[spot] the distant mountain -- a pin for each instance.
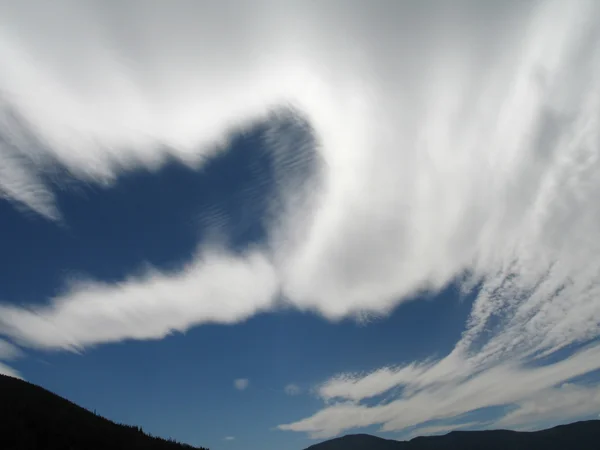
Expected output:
(33, 418)
(576, 436)
(359, 442)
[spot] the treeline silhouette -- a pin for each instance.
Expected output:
(33, 418)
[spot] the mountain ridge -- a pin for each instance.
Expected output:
(33, 417)
(582, 435)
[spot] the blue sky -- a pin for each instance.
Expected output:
(255, 235)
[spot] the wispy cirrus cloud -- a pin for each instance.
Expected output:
(409, 199)
(149, 306)
(552, 405)
(8, 352)
(6, 370)
(452, 142)
(466, 380)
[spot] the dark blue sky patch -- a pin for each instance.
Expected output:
(156, 218)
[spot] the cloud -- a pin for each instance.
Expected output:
(9, 351)
(5, 370)
(352, 387)
(455, 385)
(22, 186)
(439, 157)
(292, 389)
(216, 287)
(455, 143)
(241, 384)
(229, 438)
(554, 405)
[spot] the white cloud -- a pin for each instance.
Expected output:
(292, 389)
(6, 370)
(553, 406)
(230, 438)
(352, 387)
(216, 288)
(455, 385)
(8, 350)
(453, 141)
(241, 384)
(412, 196)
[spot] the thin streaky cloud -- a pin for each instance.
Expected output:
(6, 370)
(9, 351)
(150, 306)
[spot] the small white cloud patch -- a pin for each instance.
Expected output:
(292, 389)
(230, 438)
(241, 383)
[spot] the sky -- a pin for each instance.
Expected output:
(264, 224)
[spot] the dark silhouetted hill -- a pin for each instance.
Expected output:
(358, 442)
(33, 418)
(575, 436)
